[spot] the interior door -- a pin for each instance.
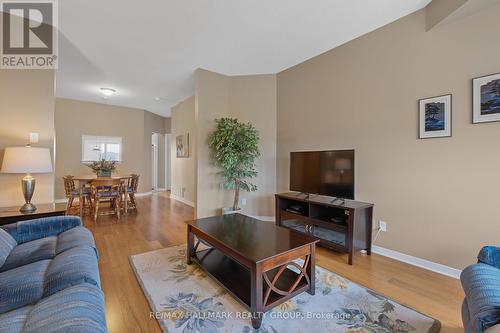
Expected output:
(154, 161)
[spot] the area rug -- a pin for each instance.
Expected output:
(184, 299)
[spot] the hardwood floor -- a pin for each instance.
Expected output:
(159, 223)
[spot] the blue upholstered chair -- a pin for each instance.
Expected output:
(49, 277)
(481, 283)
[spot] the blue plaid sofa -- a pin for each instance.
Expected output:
(49, 277)
(481, 283)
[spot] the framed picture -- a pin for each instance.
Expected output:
(182, 145)
(435, 117)
(486, 99)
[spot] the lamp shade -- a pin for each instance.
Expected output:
(343, 164)
(26, 160)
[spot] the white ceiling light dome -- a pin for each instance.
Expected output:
(107, 92)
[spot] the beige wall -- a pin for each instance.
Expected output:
(438, 196)
(76, 118)
(252, 99)
(183, 169)
(438, 10)
(211, 102)
(248, 98)
(168, 125)
(26, 105)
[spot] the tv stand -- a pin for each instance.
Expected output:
(340, 200)
(307, 195)
(342, 225)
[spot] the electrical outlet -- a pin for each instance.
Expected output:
(382, 226)
(243, 201)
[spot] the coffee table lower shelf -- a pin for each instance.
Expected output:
(236, 279)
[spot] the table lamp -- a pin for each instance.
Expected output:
(27, 160)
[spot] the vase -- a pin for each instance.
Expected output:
(103, 173)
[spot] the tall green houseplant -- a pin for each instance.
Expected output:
(234, 147)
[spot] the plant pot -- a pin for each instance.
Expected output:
(230, 210)
(102, 173)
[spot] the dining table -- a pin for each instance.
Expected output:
(86, 179)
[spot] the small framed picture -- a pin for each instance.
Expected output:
(435, 117)
(486, 99)
(182, 145)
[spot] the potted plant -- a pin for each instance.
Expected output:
(103, 168)
(234, 148)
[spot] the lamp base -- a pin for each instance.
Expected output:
(27, 208)
(28, 185)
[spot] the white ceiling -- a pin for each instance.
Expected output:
(150, 48)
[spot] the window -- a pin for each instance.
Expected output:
(95, 148)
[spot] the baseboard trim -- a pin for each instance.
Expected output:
(184, 201)
(419, 262)
(61, 200)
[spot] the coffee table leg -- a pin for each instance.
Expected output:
(311, 270)
(256, 306)
(190, 245)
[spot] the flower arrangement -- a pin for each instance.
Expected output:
(103, 168)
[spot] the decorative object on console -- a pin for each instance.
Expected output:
(435, 117)
(103, 168)
(235, 147)
(27, 160)
(486, 99)
(182, 145)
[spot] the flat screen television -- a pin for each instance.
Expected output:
(328, 173)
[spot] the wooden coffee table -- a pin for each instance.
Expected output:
(251, 259)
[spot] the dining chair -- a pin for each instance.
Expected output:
(132, 186)
(106, 190)
(72, 192)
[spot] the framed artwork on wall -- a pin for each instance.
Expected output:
(435, 117)
(182, 145)
(486, 99)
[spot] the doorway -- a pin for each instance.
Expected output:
(154, 161)
(160, 162)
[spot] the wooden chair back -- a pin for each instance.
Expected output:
(69, 185)
(134, 183)
(106, 185)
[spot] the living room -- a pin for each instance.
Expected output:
(336, 175)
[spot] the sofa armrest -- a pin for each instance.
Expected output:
(490, 255)
(26, 231)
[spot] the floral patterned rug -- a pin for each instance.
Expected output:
(184, 299)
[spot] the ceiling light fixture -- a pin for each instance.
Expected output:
(157, 99)
(107, 92)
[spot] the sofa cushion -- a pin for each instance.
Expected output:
(490, 255)
(76, 309)
(22, 286)
(27, 231)
(30, 252)
(13, 321)
(7, 243)
(481, 284)
(78, 236)
(72, 267)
